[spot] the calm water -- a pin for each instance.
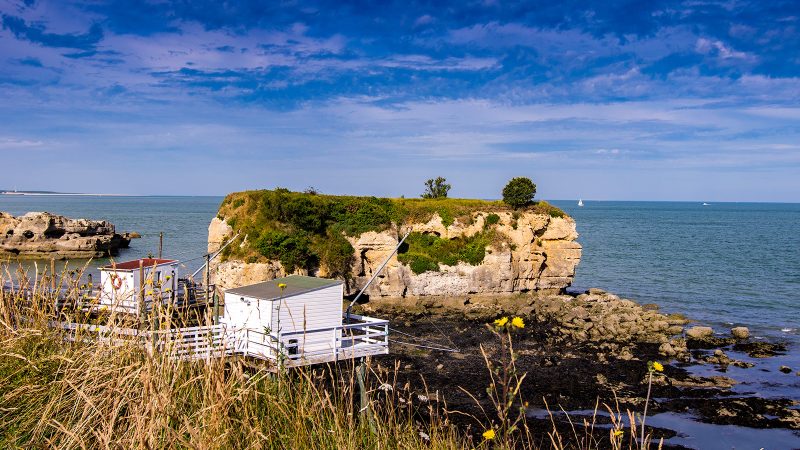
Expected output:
(183, 220)
(726, 263)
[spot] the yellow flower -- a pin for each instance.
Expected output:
(658, 367)
(518, 322)
(501, 322)
(489, 434)
(618, 433)
(281, 286)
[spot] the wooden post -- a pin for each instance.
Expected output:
(216, 306)
(141, 291)
(208, 282)
(160, 244)
(89, 284)
(365, 411)
(52, 276)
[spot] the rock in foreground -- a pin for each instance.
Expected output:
(44, 235)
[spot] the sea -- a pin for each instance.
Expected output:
(719, 264)
(722, 264)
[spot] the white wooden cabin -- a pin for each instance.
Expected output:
(122, 284)
(301, 323)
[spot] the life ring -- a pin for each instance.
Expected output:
(116, 281)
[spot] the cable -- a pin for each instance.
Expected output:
(443, 349)
(439, 346)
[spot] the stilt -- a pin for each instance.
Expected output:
(365, 411)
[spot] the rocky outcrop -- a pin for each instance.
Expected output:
(534, 252)
(45, 235)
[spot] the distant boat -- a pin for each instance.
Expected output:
(706, 204)
(580, 202)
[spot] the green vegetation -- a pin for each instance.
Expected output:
(425, 251)
(309, 230)
(436, 188)
(519, 192)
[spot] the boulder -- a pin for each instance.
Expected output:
(700, 332)
(740, 332)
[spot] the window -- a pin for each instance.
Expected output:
(293, 348)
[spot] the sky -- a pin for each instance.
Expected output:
(634, 100)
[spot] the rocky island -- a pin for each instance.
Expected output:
(42, 235)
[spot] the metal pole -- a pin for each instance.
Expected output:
(375, 275)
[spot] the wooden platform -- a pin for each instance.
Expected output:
(364, 336)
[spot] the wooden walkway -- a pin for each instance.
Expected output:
(366, 336)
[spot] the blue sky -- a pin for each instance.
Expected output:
(690, 100)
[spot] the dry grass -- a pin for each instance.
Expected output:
(55, 393)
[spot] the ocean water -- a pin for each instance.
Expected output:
(723, 264)
(183, 220)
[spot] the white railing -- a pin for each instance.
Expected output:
(367, 336)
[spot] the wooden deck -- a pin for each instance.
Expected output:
(364, 336)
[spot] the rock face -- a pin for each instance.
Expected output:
(45, 235)
(537, 252)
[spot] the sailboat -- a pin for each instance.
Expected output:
(580, 202)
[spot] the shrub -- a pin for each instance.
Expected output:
(492, 219)
(519, 192)
(336, 253)
(421, 264)
(291, 250)
(295, 253)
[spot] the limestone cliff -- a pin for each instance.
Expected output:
(529, 250)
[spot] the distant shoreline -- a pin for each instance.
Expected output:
(57, 194)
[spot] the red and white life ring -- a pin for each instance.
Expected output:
(116, 281)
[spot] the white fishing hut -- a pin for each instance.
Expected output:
(299, 319)
(125, 285)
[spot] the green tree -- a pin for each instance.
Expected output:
(436, 188)
(519, 192)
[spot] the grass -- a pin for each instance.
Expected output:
(294, 227)
(76, 392)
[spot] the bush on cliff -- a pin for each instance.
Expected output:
(424, 252)
(519, 192)
(311, 228)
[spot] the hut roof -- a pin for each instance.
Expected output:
(295, 285)
(146, 262)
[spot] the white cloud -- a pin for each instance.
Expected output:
(19, 144)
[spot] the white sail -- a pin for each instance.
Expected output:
(580, 202)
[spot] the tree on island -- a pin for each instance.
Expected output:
(437, 188)
(519, 192)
